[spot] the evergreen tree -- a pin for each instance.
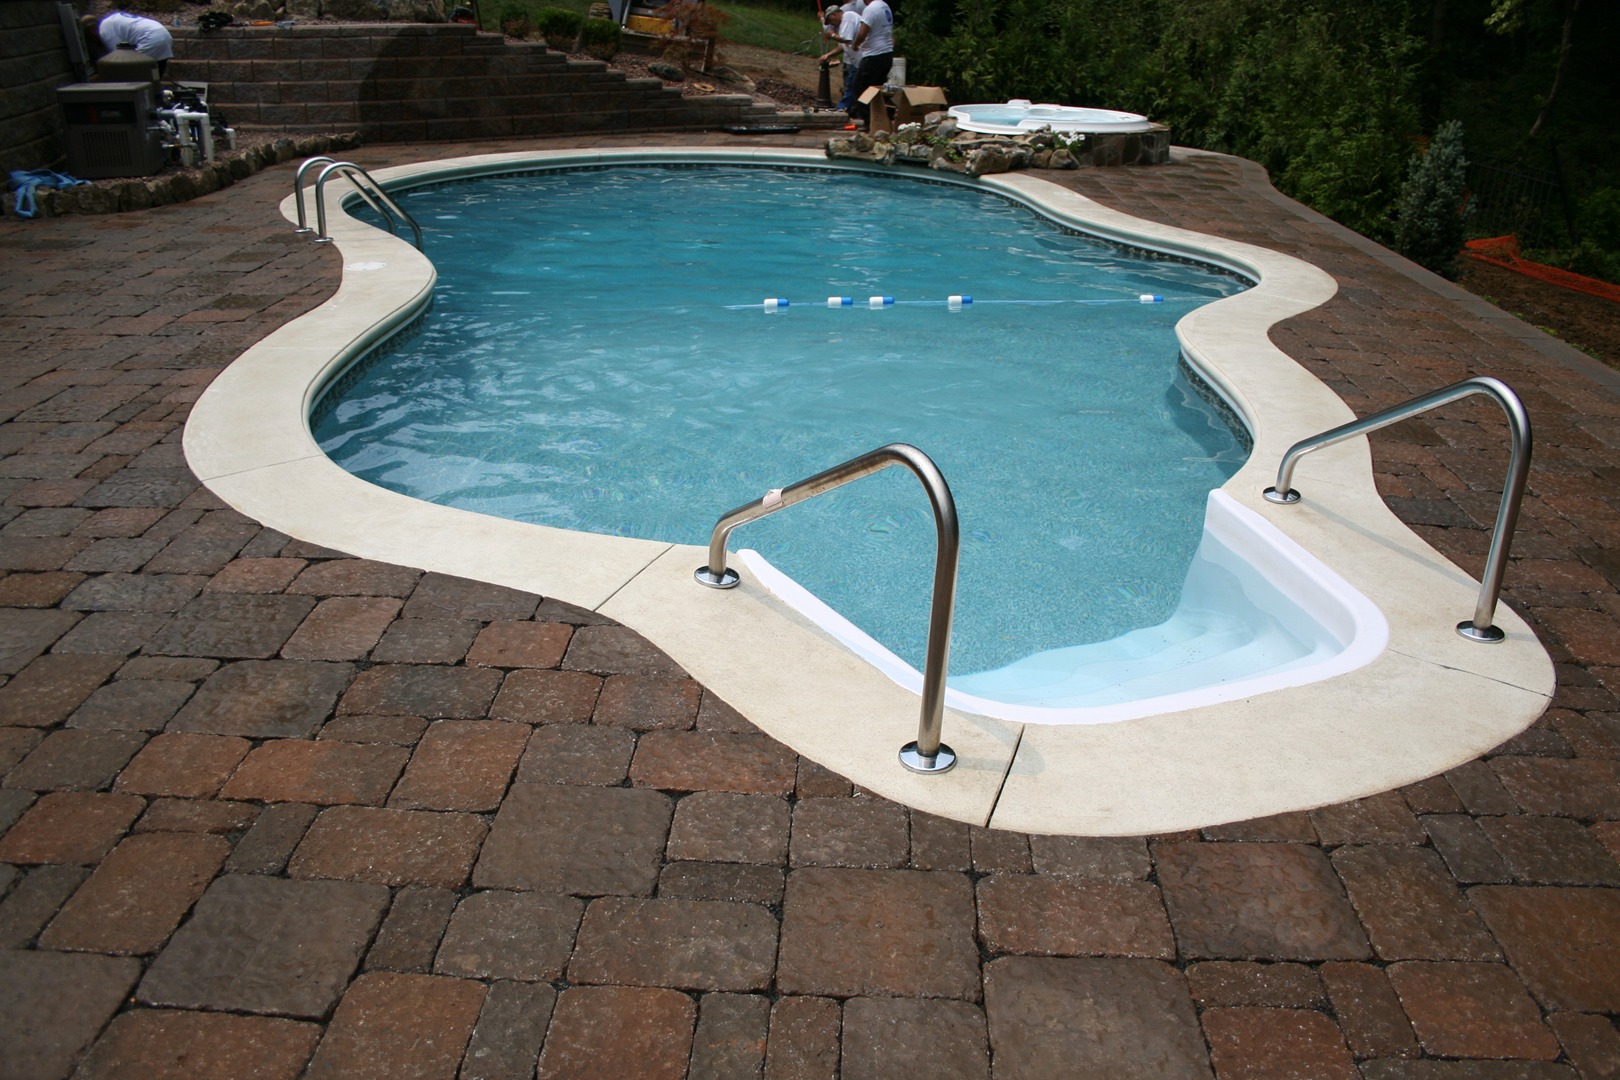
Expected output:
(1433, 207)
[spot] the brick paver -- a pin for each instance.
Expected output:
(1089, 1017)
(585, 841)
(270, 811)
(267, 945)
(902, 932)
(461, 765)
(1257, 901)
(598, 1031)
(138, 895)
(392, 847)
(393, 1025)
(171, 1043)
(1249, 1044)
(510, 935)
(688, 944)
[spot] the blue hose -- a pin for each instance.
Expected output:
(27, 181)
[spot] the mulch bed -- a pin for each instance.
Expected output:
(1589, 323)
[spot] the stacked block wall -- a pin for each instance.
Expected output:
(417, 82)
(33, 63)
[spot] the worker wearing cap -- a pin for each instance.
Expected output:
(843, 23)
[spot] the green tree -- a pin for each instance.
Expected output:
(1508, 16)
(1433, 207)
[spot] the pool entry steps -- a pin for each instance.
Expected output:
(927, 754)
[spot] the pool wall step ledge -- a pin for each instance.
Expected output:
(1430, 700)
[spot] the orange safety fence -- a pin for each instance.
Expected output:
(1504, 251)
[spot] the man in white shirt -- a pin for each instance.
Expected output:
(842, 26)
(874, 40)
(121, 30)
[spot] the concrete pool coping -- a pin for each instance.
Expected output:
(1430, 701)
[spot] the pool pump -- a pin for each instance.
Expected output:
(118, 129)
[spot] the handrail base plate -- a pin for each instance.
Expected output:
(726, 579)
(940, 762)
(1490, 635)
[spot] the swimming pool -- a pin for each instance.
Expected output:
(1427, 701)
(613, 370)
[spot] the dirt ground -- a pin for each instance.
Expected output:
(799, 71)
(1590, 323)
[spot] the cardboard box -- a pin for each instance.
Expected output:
(880, 116)
(891, 107)
(912, 104)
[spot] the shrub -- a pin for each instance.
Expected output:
(515, 22)
(600, 38)
(559, 26)
(694, 23)
(1433, 206)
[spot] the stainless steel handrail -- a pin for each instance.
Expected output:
(928, 754)
(389, 210)
(298, 189)
(1478, 628)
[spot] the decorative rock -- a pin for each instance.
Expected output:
(733, 77)
(940, 144)
(161, 190)
(862, 147)
(250, 10)
(91, 199)
(667, 72)
(989, 159)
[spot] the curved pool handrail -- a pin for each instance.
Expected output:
(1478, 628)
(928, 754)
(298, 189)
(388, 210)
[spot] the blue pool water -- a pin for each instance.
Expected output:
(599, 357)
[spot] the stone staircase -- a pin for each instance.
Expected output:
(418, 82)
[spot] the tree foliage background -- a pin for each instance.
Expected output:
(1333, 97)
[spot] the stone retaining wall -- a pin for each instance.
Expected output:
(421, 82)
(35, 64)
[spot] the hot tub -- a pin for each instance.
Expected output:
(1020, 116)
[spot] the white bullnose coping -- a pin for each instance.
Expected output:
(1429, 702)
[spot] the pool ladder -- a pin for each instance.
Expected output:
(369, 190)
(927, 754)
(1480, 627)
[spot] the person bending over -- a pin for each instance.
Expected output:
(121, 30)
(842, 24)
(849, 24)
